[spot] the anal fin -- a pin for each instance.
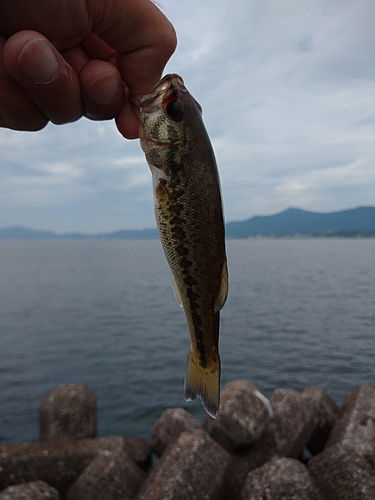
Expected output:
(223, 292)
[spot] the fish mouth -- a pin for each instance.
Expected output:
(162, 90)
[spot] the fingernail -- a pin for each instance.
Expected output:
(103, 89)
(37, 62)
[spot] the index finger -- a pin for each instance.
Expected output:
(143, 38)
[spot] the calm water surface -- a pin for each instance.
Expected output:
(300, 312)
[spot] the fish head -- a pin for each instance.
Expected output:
(167, 116)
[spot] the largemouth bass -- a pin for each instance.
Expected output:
(189, 216)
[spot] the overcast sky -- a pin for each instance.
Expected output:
(288, 95)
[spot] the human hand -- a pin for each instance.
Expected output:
(65, 59)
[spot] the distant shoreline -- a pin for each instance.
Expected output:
(291, 223)
(357, 236)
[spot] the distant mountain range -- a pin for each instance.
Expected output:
(292, 222)
(355, 222)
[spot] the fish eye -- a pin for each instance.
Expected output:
(174, 110)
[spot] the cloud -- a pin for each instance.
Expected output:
(287, 89)
(68, 175)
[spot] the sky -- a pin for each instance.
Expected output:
(287, 89)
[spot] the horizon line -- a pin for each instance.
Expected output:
(77, 232)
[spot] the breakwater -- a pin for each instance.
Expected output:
(297, 445)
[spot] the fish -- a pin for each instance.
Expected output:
(189, 216)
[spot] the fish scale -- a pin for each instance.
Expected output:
(188, 210)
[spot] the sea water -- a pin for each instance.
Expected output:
(300, 312)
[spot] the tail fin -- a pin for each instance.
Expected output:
(203, 382)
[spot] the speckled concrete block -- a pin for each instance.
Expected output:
(139, 451)
(280, 479)
(110, 476)
(242, 417)
(342, 474)
(58, 463)
(247, 459)
(68, 411)
(191, 469)
(355, 425)
(293, 422)
(325, 416)
(171, 424)
(36, 490)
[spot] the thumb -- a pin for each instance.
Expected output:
(143, 38)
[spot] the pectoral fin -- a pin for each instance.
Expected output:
(223, 292)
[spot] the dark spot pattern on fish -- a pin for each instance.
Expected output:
(179, 233)
(178, 208)
(178, 221)
(199, 338)
(181, 250)
(178, 193)
(190, 281)
(193, 296)
(177, 225)
(173, 159)
(185, 264)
